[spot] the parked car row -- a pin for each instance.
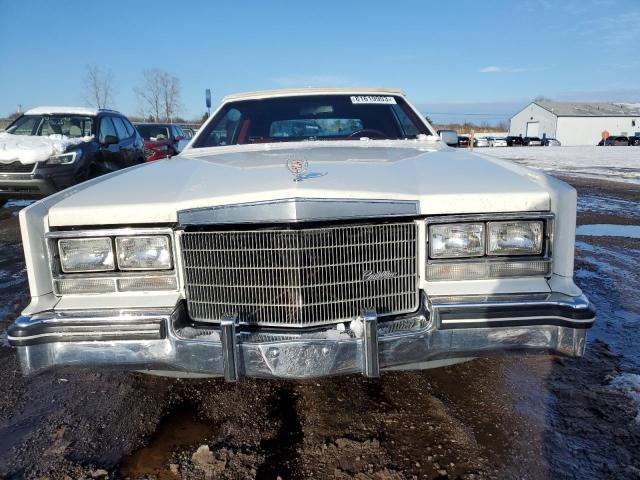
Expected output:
(620, 141)
(48, 149)
(509, 141)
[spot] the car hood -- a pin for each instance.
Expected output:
(442, 180)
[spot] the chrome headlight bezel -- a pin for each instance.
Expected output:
(116, 280)
(492, 266)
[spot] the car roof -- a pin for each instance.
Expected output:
(60, 110)
(292, 92)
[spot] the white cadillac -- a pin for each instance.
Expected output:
(303, 233)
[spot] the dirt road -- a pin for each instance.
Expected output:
(508, 417)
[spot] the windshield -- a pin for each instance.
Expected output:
(153, 132)
(72, 126)
(313, 117)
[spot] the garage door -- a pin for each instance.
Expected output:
(532, 129)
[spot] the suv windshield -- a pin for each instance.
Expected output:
(312, 117)
(73, 126)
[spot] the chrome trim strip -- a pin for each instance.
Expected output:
(109, 232)
(292, 210)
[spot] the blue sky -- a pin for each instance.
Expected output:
(452, 58)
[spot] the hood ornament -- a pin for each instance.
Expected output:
(298, 167)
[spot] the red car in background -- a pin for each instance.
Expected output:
(161, 140)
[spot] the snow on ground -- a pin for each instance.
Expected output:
(610, 163)
(34, 148)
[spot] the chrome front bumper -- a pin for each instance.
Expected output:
(445, 330)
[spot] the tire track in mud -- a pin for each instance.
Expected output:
(281, 451)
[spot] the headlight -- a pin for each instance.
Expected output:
(86, 255)
(64, 159)
(514, 238)
(143, 253)
(456, 240)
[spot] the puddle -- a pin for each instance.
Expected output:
(180, 429)
(609, 230)
(607, 205)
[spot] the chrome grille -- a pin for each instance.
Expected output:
(300, 277)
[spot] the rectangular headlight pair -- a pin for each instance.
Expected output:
(462, 240)
(97, 254)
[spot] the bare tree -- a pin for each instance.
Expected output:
(171, 91)
(99, 86)
(159, 95)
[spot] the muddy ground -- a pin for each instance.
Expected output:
(506, 417)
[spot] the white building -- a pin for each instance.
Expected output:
(575, 123)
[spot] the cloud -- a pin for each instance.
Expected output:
(491, 69)
(311, 80)
(496, 69)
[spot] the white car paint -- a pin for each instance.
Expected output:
(443, 180)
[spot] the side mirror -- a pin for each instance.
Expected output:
(110, 140)
(450, 137)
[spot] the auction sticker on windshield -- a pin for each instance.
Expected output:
(357, 99)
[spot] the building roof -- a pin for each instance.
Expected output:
(289, 92)
(590, 109)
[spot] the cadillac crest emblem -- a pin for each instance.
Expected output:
(298, 167)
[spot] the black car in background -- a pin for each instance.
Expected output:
(634, 141)
(531, 141)
(463, 142)
(513, 141)
(615, 141)
(98, 142)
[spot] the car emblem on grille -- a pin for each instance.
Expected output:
(298, 167)
(372, 275)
